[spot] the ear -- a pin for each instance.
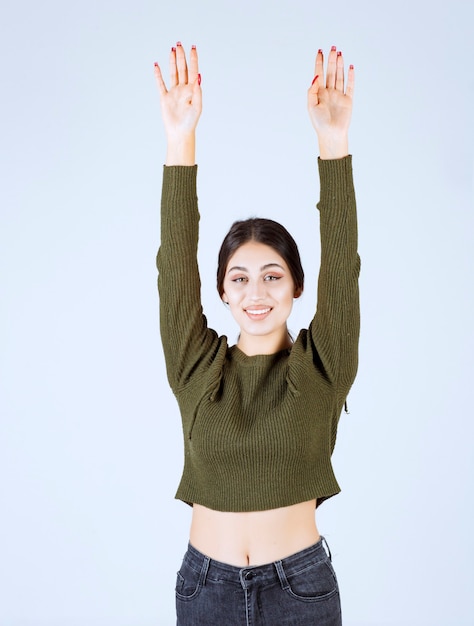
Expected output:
(298, 292)
(224, 298)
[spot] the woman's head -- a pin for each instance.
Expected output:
(269, 233)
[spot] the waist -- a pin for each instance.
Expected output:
(253, 538)
(265, 572)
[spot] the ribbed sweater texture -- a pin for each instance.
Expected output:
(259, 431)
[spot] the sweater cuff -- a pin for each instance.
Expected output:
(179, 174)
(335, 176)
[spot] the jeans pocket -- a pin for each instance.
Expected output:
(314, 583)
(187, 583)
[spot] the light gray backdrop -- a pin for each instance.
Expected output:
(89, 432)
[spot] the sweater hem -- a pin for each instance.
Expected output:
(235, 505)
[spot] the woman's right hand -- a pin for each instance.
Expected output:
(181, 105)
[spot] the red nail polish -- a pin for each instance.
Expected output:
(339, 54)
(193, 47)
(199, 79)
(178, 43)
(315, 79)
(320, 51)
(333, 48)
(156, 64)
(351, 67)
(173, 49)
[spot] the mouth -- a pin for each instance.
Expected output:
(258, 313)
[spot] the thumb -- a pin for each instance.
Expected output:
(313, 90)
(159, 80)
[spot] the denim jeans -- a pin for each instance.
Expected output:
(299, 590)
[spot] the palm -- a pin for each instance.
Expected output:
(179, 110)
(329, 107)
(181, 104)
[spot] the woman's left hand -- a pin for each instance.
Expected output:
(330, 105)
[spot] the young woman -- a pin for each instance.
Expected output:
(259, 418)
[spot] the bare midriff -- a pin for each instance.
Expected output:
(254, 538)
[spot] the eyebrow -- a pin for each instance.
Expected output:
(240, 268)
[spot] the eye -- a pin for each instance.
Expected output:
(271, 277)
(239, 279)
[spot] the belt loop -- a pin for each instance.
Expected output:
(281, 575)
(325, 544)
(204, 570)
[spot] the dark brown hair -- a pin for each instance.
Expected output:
(263, 231)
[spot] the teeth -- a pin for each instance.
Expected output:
(258, 311)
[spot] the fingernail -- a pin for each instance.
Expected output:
(333, 48)
(173, 49)
(178, 43)
(199, 79)
(156, 64)
(193, 47)
(351, 67)
(339, 54)
(315, 79)
(320, 51)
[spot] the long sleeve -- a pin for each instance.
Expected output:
(335, 327)
(187, 342)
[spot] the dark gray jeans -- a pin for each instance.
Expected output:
(300, 590)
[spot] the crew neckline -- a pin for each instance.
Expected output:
(256, 359)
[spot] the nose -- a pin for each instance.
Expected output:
(256, 290)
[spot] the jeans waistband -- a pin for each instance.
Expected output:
(211, 569)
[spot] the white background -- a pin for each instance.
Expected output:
(89, 432)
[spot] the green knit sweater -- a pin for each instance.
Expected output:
(259, 431)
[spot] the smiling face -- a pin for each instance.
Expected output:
(259, 289)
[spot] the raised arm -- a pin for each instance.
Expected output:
(335, 327)
(187, 342)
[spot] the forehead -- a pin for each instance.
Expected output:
(255, 254)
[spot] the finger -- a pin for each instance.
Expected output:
(350, 82)
(181, 64)
(193, 65)
(197, 92)
(319, 66)
(173, 68)
(159, 80)
(331, 72)
(339, 72)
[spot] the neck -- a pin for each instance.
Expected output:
(252, 345)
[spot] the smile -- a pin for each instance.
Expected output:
(258, 312)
